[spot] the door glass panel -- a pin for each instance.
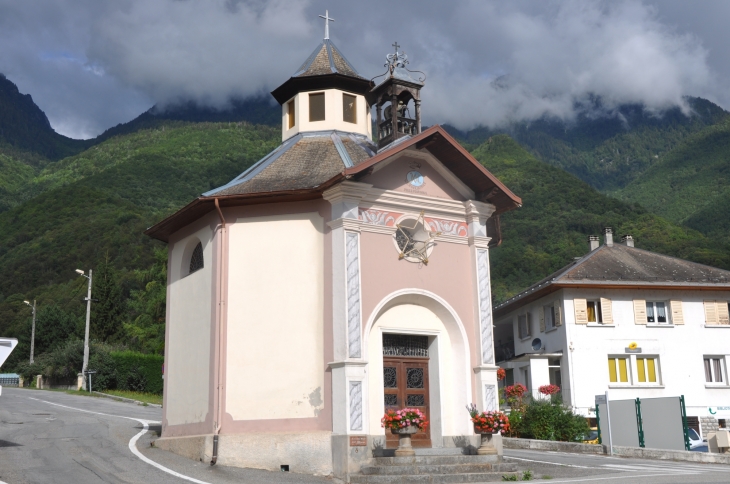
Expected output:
(416, 400)
(415, 377)
(390, 377)
(391, 400)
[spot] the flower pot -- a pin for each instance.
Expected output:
(487, 445)
(405, 449)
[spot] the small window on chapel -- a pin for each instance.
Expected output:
(196, 260)
(291, 113)
(316, 107)
(349, 108)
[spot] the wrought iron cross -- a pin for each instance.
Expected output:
(327, 20)
(396, 46)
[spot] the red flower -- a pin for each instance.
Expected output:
(501, 374)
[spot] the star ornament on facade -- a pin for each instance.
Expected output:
(414, 241)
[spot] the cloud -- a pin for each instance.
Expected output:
(93, 64)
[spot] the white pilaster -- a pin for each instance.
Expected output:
(486, 372)
(349, 385)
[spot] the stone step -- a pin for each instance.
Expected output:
(436, 460)
(426, 469)
(437, 469)
(470, 450)
(473, 478)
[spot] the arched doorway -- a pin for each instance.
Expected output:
(430, 337)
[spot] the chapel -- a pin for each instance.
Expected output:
(343, 274)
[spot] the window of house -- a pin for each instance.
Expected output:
(554, 370)
(291, 113)
(593, 311)
(316, 106)
(349, 108)
(523, 326)
(549, 315)
(618, 369)
(715, 369)
(646, 369)
(656, 312)
(196, 260)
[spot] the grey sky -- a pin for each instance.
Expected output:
(90, 65)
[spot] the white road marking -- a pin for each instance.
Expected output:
(546, 462)
(639, 467)
(133, 440)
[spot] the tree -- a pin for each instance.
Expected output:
(147, 306)
(108, 309)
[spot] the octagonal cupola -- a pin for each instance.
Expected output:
(325, 93)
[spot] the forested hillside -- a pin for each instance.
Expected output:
(559, 212)
(91, 212)
(607, 148)
(690, 184)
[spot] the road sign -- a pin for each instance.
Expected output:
(600, 399)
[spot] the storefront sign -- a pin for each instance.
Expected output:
(719, 412)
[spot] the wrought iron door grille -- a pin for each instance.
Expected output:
(405, 345)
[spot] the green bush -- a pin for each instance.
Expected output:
(116, 367)
(138, 372)
(550, 420)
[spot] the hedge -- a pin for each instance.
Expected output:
(138, 372)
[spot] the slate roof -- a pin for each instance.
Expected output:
(304, 161)
(620, 265)
(326, 59)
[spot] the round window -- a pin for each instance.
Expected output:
(413, 240)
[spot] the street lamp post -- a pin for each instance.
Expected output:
(32, 331)
(88, 318)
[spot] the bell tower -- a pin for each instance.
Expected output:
(394, 97)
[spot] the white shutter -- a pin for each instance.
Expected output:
(581, 311)
(677, 314)
(542, 319)
(558, 314)
(639, 311)
(606, 311)
(711, 312)
(722, 312)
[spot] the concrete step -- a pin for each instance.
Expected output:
(469, 450)
(472, 477)
(426, 469)
(436, 460)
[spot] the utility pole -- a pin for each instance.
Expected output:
(88, 319)
(32, 331)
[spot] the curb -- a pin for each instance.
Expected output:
(618, 451)
(127, 400)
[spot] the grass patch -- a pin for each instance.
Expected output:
(142, 397)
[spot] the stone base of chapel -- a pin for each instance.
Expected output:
(313, 453)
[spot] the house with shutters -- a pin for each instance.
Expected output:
(627, 320)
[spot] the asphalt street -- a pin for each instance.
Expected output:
(601, 469)
(53, 437)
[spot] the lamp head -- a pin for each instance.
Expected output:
(80, 271)
(27, 302)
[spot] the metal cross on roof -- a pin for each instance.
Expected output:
(396, 46)
(327, 20)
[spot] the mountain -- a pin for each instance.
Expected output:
(95, 206)
(255, 110)
(25, 127)
(606, 148)
(691, 183)
(558, 214)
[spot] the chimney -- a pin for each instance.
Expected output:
(608, 233)
(627, 240)
(593, 241)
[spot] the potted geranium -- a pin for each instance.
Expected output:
(404, 423)
(487, 424)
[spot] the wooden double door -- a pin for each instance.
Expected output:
(406, 385)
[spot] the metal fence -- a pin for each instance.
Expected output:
(655, 423)
(9, 379)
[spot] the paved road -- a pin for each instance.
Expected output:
(53, 437)
(600, 469)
